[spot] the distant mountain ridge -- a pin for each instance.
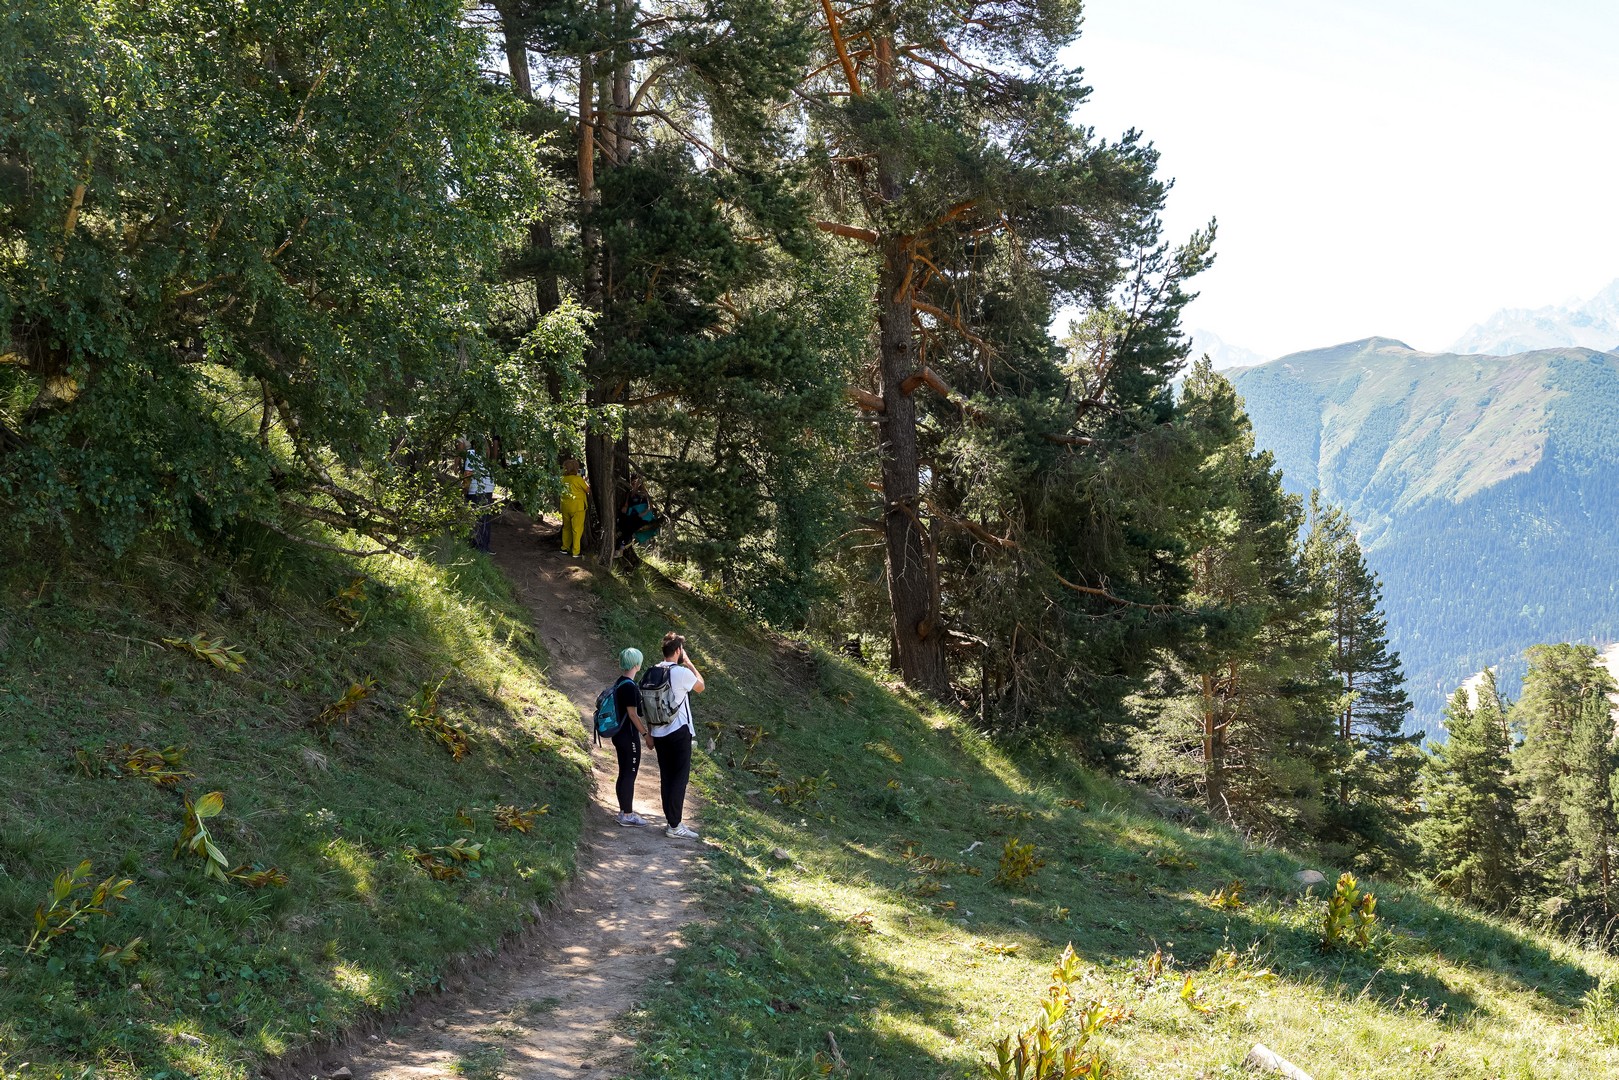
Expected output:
(1486, 489)
(1221, 353)
(1592, 325)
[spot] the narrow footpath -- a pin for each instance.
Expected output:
(550, 1007)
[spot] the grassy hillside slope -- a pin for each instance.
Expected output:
(225, 972)
(857, 834)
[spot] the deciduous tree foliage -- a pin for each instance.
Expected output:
(248, 264)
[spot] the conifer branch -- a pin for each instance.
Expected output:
(842, 49)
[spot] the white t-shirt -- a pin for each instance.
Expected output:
(482, 483)
(681, 680)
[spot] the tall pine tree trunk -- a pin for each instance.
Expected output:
(598, 442)
(913, 569)
(913, 572)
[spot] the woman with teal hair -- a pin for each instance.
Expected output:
(627, 739)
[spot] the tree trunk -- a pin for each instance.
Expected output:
(1213, 748)
(913, 572)
(547, 290)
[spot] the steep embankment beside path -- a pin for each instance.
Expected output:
(858, 834)
(368, 816)
(1486, 489)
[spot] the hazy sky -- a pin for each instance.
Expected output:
(1377, 167)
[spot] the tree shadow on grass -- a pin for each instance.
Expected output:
(761, 984)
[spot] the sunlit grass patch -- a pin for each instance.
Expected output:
(883, 923)
(228, 972)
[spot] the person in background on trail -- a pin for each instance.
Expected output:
(627, 739)
(638, 523)
(479, 488)
(666, 690)
(575, 494)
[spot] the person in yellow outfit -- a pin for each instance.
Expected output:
(575, 492)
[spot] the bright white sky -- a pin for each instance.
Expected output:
(1395, 167)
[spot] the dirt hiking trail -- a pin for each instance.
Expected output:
(550, 1007)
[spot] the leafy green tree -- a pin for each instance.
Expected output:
(249, 267)
(1472, 837)
(1374, 797)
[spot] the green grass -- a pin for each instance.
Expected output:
(863, 909)
(227, 974)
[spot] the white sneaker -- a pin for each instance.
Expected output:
(631, 820)
(680, 832)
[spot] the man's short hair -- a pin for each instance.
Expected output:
(672, 644)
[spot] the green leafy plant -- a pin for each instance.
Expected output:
(63, 910)
(1350, 917)
(805, 792)
(447, 862)
(1599, 1008)
(120, 955)
(347, 601)
(258, 877)
(886, 752)
(1174, 860)
(517, 819)
(1228, 897)
(162, 767)
(196, 839)
(1018, 863)
(214, 650)
(1059, 1043)
(424, 714)
(351, 700)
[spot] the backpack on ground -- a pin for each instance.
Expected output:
(608, 719)
(658, 696)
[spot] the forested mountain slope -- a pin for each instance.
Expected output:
(1483, 485)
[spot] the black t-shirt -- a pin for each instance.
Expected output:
(625, 697)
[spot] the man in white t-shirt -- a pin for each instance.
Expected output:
(668, 688)
(479, 487)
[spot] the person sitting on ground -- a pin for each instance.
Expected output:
(575, 495)
(638, 523)
(628, 738)
(666, 690)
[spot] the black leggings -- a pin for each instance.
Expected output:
(674, 770)
(629, 764)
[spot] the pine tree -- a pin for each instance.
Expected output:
(1374, 794)
(722, 331)
(947, 155)
(1587, 804)
(1244, 715)
(1561, 681)
(1471, 837)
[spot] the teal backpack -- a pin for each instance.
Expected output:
(608, 720)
